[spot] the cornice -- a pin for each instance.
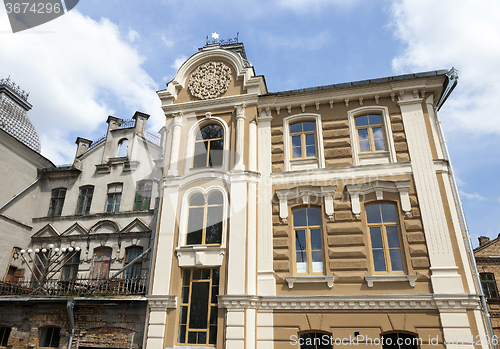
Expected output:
(228, 102)
(162, 302)
(443, 303)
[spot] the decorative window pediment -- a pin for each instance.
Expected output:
(379, 187)
(309, 194)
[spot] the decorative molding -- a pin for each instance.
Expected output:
(390, 278)
(309, 279)
(308, 194)
(346, 101)
(393, 97)
(208, 115)
(376, 99)
(240, 110)
(331, 104)
(317, 105)
(289, 107)
(422, 94)
(303, 107)
(102, 168)
(200, 256)
(161, 302)
(210, 80)
(278, 111)
(415, 94)
(360, 99)
(401, 96)
(379, 187)
(129, 166)
(447, 303)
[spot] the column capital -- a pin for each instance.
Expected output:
(240, 110)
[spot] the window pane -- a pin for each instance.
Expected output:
(197, 200)
(308, 126)
(392, 237)
(300, 240)
(376, 237)
(389, 213)
(200, 154)
(313, 216)
(364, 146)
(296, 141)
(363, 134)
(215, 198)
(377, 133)
(310, 139)
(195, 226)
(378, 260)
(373, 214)
(198, 315)
(186, 277)
(216, 151)
(296, 127)
(379, 144)
(316, 239)
(317, 261)
(210, 132)
(214, 225)
(181, 337)
(299, 217)
(396, 260)
(310, 151)
(215, 276)
(122, 148)
(185, 295)
(375, 119)
(361, 120)
(296, 152)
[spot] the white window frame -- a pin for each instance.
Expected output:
(301, 163)
(201, 255)
(188, 163)
(369, 158)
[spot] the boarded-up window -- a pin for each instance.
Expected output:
(100, 263)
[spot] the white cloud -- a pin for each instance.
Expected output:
(308, 5)
(474, 196)
(464, 34)
(133, 35)
(167, 42)
(178, 62)
(75, 68)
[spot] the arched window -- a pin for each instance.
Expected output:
(315, 340)
(385, 238)
(49, 337)
(4, 335)
(122, 148)
(205, 219)
(400, 340)
(208, 147)
(57, 201)
(134, 272)
(308, 240)
(303, 140)
(369, 129)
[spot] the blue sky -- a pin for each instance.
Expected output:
(109, 57)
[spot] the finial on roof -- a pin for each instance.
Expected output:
(215, 36)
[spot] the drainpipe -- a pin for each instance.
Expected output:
(452, 75)
(70, 306)
(40, 174)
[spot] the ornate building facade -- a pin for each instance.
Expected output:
(287, 217)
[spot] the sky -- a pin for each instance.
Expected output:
(109, 57)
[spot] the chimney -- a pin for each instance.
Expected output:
(140, 122)
(113, 123)
(82, 146)
(483, 240)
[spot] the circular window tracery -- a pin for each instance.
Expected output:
(210, 80)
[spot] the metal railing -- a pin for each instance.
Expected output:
(76, 287)
(127, 124)
(97, 142)
(153, 137)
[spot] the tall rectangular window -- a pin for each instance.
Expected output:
(205, 219)
(370, 133)
(143, 195)
(114, 197)
(385, 238)
(84, 200)
(49, 337)
(71, 264)
(100, 263)
(308, 244)
(489, 285)
(303, 139)
(134, 272)
(208, 147)
(4, 335)
(198, 307)
(57, 201)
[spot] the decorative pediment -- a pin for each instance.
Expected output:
(136, 226)
(309, 194)
(358, 191)
(47, 231)
(75, 230)
(104, 227)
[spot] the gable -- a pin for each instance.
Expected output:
(490, 249)
(47, 231)
(136, 226)
(75, 230)
(104, 227)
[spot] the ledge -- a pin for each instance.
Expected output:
(391, 278)
(309, 279)
(162, 302)
(200, 255)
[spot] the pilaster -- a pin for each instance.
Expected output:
(176, 142)
(240, 137)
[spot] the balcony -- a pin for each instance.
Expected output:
(79, 287)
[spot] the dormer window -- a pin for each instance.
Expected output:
(122, 148)
(208, 147)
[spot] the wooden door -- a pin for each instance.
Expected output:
(101, 263)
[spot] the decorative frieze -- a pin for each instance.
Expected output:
(210, 80)
(308, 194)
(162, 302)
